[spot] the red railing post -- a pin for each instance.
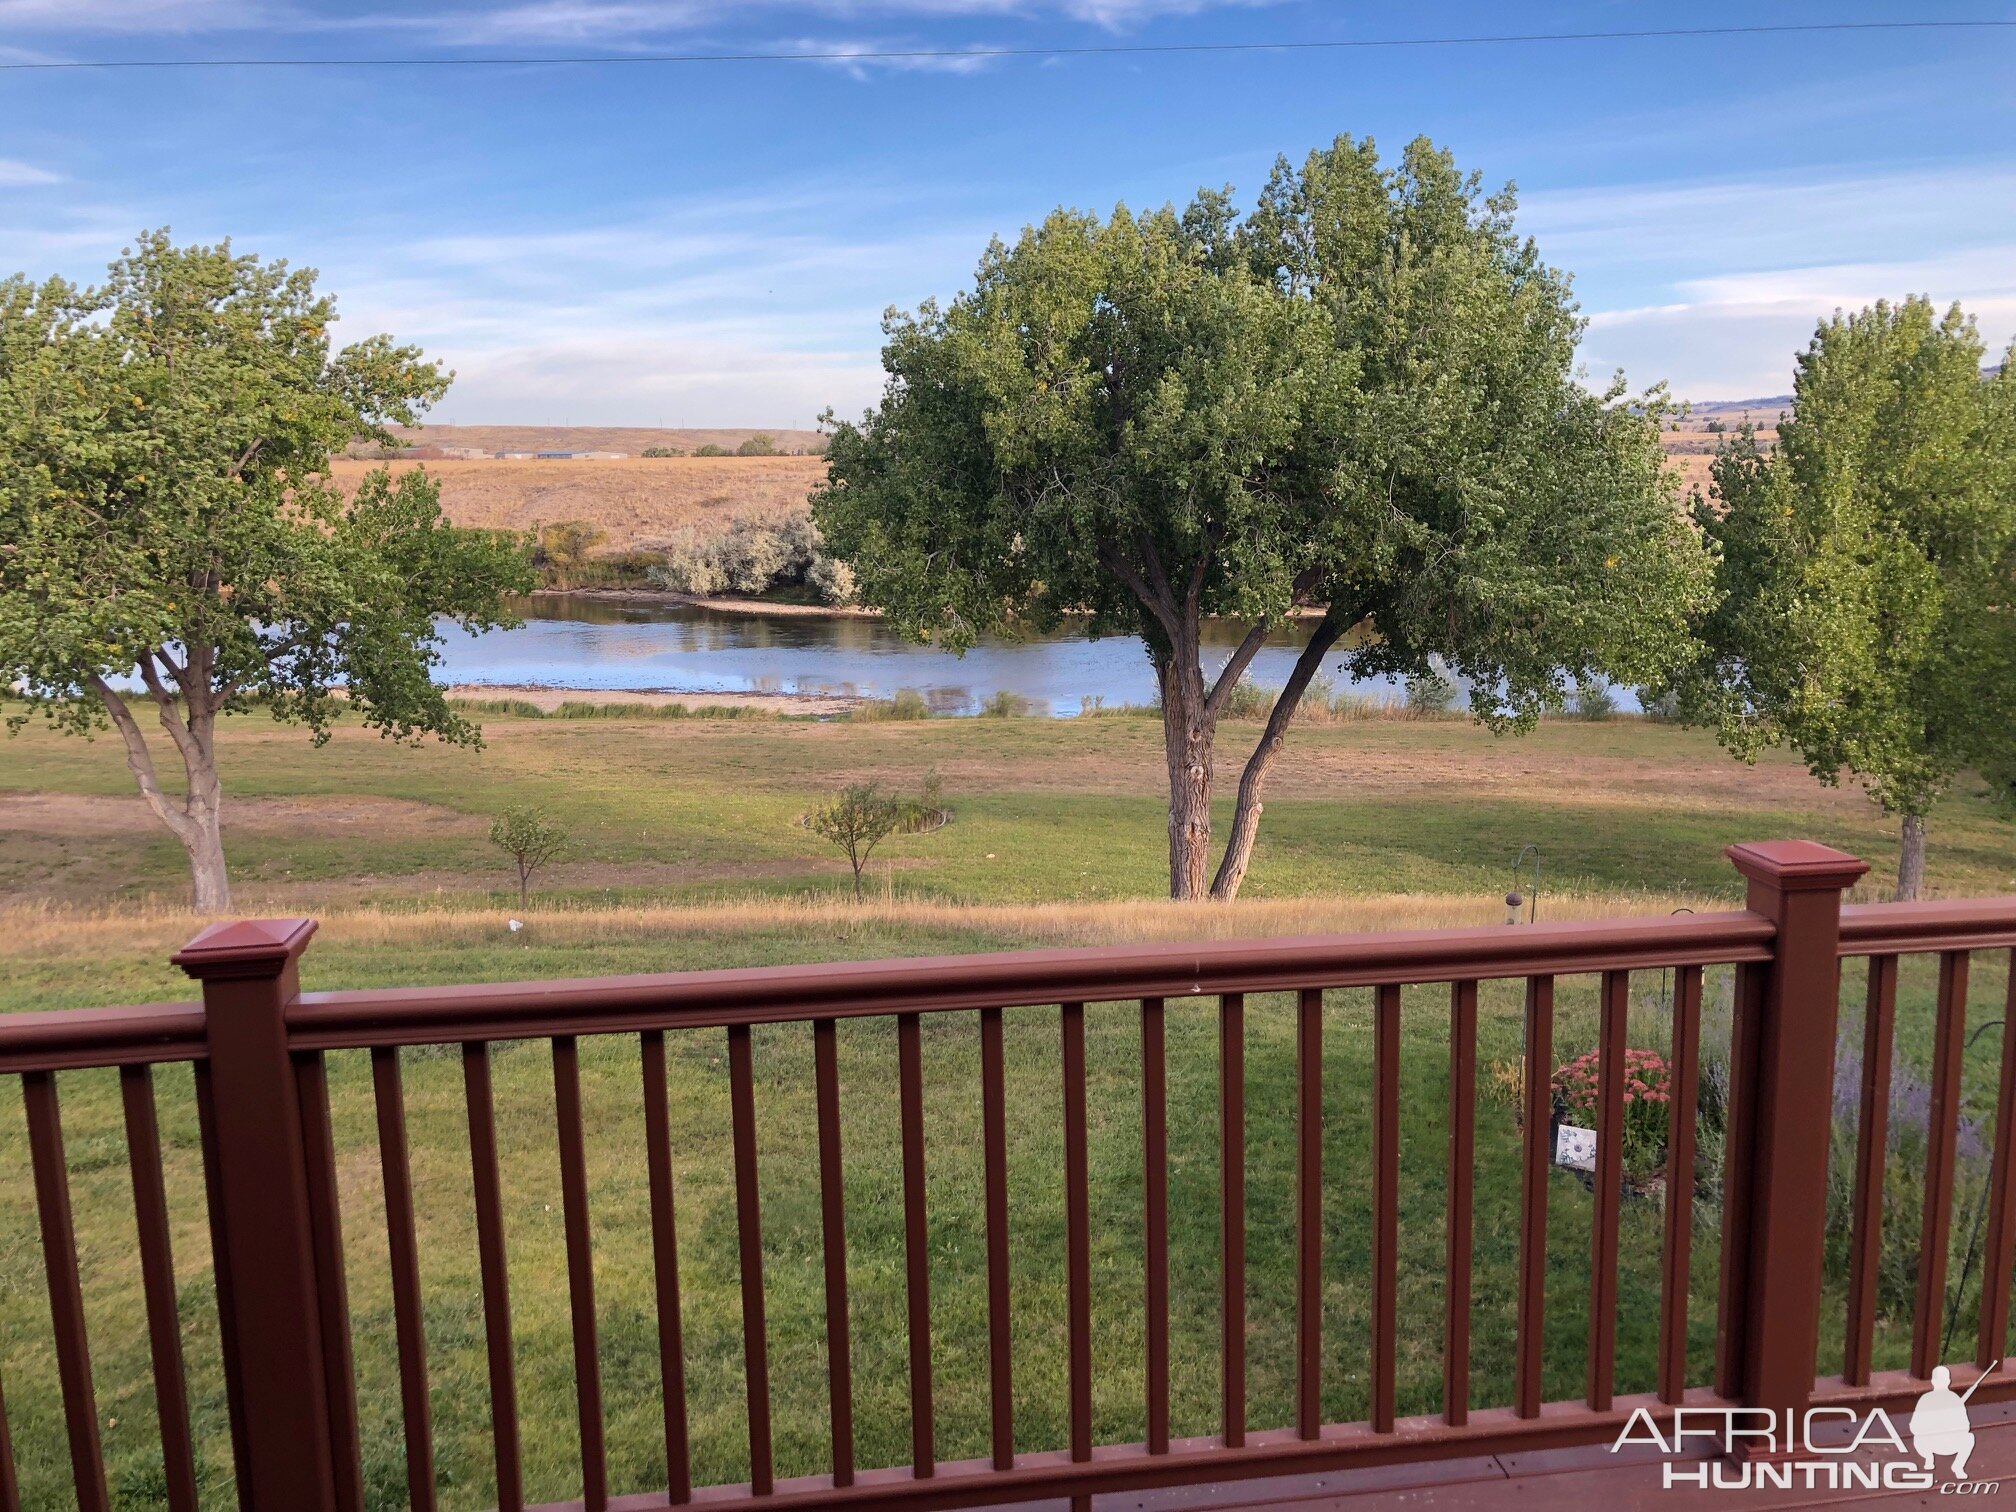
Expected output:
(272, 1316)
(1781, 1093)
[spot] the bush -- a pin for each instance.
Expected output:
(1246, 701)
(1594, 700)
(1004, 705)
(711, 450)
(762, 444)
(753, 558)
(562, 549)
(1430, 693)
(1576, 1089)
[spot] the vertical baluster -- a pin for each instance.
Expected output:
(1683, 1087)
(486, 1182)
(916, 1242)
(749, 1236)
(1155, 1182)
(157, 1280)
(580, 1271)
(1607, 1215)
(1462, 1182)
(1739, 1139)
(66, 1294)
(1385, 1204)
(220, 1276)
(1077, 1232)
(1309, 1213)
(1537, 1114)
(994, 1138)
(1999, 1245)
(1872, 1150)
(409, 1323)
(833, 1237)
(1948, 1052)
(1232, 1214)
(665, 1267)
(318, 1146)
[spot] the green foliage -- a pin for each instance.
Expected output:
(531, 838)
(712, 450)
(664, 451)
(164, 445)
(1360, 398)
(1429, 692)
(762, 444)
(562, 550)
(857, 819)
(1594, 699)
(1866, 613)
(1004, 704)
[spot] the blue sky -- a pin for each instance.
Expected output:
(714, 245)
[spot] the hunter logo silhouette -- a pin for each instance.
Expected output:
(1939, 1425)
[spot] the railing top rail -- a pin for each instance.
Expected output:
(76, 1039)
(1914, 928)
(775, 994)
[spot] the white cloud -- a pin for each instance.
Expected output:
(18, 175)
(1734, 335)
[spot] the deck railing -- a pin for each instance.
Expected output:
(270, 1163)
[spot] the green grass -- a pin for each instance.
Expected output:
(692, 811)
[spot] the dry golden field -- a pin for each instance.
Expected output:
(638, 503)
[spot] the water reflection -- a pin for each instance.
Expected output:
(589, 643)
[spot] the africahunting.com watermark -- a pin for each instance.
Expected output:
(1821, 1448)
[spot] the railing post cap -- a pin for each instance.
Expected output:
(244, 948)
(1796, 865)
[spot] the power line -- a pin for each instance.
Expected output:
(920, 54)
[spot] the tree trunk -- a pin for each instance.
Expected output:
(1911, 859)
(1246, 814)
(196, 822)
(524, 889)
(1186, 743)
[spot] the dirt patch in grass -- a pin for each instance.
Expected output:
(76, 815)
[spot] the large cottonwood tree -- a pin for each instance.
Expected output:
(1866, 613)
(1357, 404)
(166, 514)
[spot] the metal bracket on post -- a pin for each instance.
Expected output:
(1782, 1087)
(249, 971)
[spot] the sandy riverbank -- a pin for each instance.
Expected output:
(550, 699)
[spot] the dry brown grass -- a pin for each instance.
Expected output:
(638, 503)
(56, 931)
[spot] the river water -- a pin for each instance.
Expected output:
(588, 643)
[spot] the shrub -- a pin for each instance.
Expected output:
(664, 451)
(1577, 1088)
(1430, 693)
(1594, 700)
(1246, 701)
(711, 450)
(562, 550)
(762, 444)
(1004, 705)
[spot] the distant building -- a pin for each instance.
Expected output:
(576, 456)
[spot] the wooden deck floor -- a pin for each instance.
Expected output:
(1570, 1480)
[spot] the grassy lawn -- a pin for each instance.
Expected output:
(688, 857)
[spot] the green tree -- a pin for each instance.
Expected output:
(1867, 567)
(1357, 405)
(857, 819)
(531, 839)
(762, 444)
(166, 515)
(564, 547)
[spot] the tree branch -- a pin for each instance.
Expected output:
(1235, 668)
(139, 760)
(1160, 605)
